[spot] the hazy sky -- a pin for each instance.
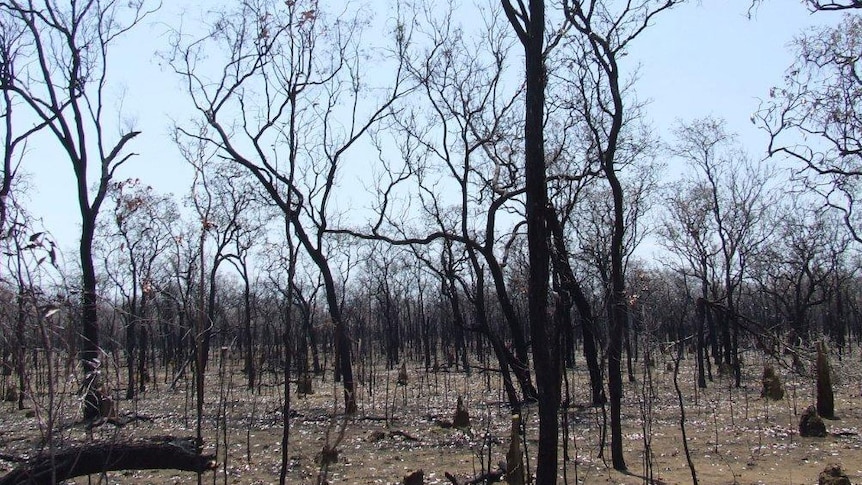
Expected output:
(707, 59)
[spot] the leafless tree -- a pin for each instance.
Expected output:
(798, 265)
(528, 21)
(688, 232)
(458, 144)
(15, 137)
(229, 204)
(134, 246)
(740, 199)
(601, 35)
(60, 78)
(28, 253)
(821, 103)
(286, 99)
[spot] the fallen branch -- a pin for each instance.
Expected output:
(118, 421)
(165, 453)
(404, 435)
(12, 458)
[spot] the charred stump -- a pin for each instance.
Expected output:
(415, 478)
(461, 419)
(811, 425)
(304, 385)
(833, 475)
(772, 388)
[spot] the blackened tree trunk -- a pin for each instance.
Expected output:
(248, 335)
(699, 325)
(617, 314)
(89, 354)
(21, 350)
(529, 24)
(344, 364)
(426, 339)
(712, 330)
(727, 347)
(143, 349)
(287, 318)
(131, 344)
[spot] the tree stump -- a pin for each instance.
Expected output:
(833, 475)
(462, 417)
(772, 388)
(825, 398)
(811, 425)
(304, 385)
(98, 404)
(328, 455)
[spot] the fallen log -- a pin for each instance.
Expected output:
(163, 453)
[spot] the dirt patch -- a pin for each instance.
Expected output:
(735, 435)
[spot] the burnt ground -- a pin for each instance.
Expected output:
(735, 436)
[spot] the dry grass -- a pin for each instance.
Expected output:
(735, 436)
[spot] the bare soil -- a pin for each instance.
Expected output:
(734, 435)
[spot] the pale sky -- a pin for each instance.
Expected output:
(697, 60)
